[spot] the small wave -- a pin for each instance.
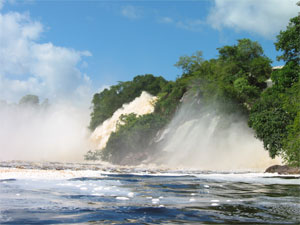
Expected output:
(7, 180)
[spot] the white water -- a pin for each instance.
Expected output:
(196, 138)
(141, 105)
(200, 140)
(148, 196)
(53, 174)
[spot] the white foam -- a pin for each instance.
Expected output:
(37, 174)
(264, 178)
(97, 194)
(130, 194)
(155, 200)
(15, 173)
(122, 198)
(98, 188)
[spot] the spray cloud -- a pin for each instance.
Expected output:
(203, 139)
(56, 133)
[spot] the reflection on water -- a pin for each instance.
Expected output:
(130, 196)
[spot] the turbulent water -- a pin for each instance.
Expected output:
(56, 193)
(198, 137)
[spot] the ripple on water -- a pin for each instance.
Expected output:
(138, 198)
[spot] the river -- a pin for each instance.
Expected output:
(76, 193)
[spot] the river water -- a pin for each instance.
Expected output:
(56, 193)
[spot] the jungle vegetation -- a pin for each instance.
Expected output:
(235, 80)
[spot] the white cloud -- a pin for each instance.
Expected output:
(27, 66)
(166, 20)
(131, 12)
(265, 17)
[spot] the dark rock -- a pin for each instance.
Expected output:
(283, 169)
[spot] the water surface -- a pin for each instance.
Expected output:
(87, 194)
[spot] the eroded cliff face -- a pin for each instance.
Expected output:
(144, 104)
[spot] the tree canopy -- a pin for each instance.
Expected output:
(110, 99)
(288, 41)
(275, 115)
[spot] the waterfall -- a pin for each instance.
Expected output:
(144, 104)
(200, 138)
(197, 137)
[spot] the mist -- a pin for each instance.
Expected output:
(199, 138)
(57, 132)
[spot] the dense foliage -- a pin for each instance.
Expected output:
(275, 116)
(233, 82)
(109, 100)
(132, 141)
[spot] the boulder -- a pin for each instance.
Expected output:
(283, 169)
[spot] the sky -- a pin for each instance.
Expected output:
(63, 49)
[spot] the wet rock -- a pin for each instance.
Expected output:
(283, 169)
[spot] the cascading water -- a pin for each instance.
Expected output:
(196, 138)
(199, 138)
(141, 105)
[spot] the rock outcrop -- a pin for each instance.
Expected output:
(283, 169)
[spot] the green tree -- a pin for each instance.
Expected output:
(269, 120)
(275, 116)
(245, 60)
(109, 100)
(133, 137)
(191, 63)
(291, 152)
(288, 41)
(29, 100)
(234, 80)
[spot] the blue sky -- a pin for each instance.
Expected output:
(71, 49)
